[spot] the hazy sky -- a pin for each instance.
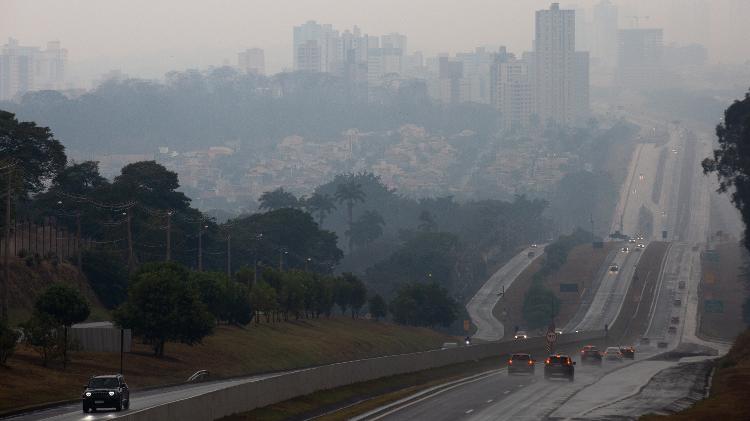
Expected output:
(149, 37)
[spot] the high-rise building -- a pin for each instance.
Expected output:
(308, 57)
(24, 69)
(639, 64)
(328, 42)
(554, 66)
(252, 61)
(511, 90)
(604, 42)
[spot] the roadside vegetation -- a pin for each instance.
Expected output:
(229, 352)
(729, 386)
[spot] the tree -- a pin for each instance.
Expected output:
(342, 294)
(41, 332)
(427, 222)
(278, 199)
(79, 179)
(107, 275)
(377, 306)
(8, 339)
(64, 305)
(320, 205)
(357, 292)
(38, 156)
(420, 304)
(731, 161)
(263, 299)
(291, 230)
(164, 306)
(350, 192)
(151, 184)
(367, 228)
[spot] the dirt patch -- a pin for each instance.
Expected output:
(722, 291)
(580, 269)
(728, 395)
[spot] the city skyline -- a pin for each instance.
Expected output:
(203, 37)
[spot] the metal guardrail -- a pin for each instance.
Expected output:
(197, 376)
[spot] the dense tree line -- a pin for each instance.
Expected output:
(731, 163)
(192, 109)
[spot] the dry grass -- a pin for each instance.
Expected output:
(581, 268)
(723, 280)
(231, 351)
(729, 390)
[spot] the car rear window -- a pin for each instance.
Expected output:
(523, 357)
(558, 360)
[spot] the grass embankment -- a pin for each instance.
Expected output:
(729, 389)
(722, 280)
(581, 267)
(231, 351)
(29, 278)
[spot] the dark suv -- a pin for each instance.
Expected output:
(559, 365)
(591, 355)
(521, 363)
(106, 392)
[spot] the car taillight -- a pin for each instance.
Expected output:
(568, 362)
(547, 361)
(510, 362)
(531, 362)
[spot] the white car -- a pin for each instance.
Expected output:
(614, 268)
(521, 335)
(613, 353)
(625, 249)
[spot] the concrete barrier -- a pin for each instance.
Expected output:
(263, 392)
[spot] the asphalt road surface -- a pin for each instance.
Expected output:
(484, 301)
(139, 400)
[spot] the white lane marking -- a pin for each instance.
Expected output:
(489, 400)
(469, 411)
(506, 392)
(521, 385)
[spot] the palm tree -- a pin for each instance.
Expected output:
(367, 228)
(278, 199)
(350, 192)
(320, 205)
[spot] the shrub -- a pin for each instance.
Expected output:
(8, 339)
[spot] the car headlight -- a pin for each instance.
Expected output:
(111, 393)
(88, 394)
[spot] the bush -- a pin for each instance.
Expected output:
(8, 339)
(378, 308)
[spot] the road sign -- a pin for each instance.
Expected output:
(551, 337)
(568, 287)
(713, 306)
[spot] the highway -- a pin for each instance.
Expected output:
(609, 297)
(484, 301)
(140, 400)
(684, 199)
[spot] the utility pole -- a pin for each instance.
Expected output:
(78, 239)
(169, 235)
(229, 254)
(6, 252)
(130, 242)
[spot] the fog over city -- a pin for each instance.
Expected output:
(374, 210)
(148, 38)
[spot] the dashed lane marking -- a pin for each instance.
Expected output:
(469, 411)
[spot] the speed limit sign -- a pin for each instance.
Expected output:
(551, 337)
